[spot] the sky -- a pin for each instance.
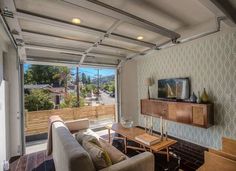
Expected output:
(88, 71)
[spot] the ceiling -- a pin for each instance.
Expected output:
(108, 29)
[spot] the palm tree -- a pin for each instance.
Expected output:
(65, 76)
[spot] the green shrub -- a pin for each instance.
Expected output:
(38, 99)
(70, 100)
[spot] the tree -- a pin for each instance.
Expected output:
(39, 74)
(28, 78)
(105, 86)
(42, 74)
(38, 99)
(88, 88)
(84, 79)
(88, 80)
(64, 76)
(70, 100)
(112, 86)
(83, 91)
(109, 86)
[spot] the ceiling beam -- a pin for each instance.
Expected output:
(20, 14)
(131, 40)
(70, 26)
(63, 62)
(157, 47)
(113, 36)
(118, 14)
(33, 33)
(97, 64)
(69, 51)
(99, 41)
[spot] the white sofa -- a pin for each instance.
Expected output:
(69, 155)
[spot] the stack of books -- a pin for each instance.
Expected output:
(148, 139)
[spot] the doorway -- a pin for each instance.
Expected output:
(70, 92)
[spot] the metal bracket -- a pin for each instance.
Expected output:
(7, 13)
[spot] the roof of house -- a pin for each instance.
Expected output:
(72, 87)
(57, 90)
(37, 86)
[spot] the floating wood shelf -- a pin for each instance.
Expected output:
(200, 115)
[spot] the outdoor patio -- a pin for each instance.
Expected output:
(36, 123)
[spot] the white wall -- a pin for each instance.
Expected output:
(10, 137)
(4, 119)
(2, 114)
(1, 65)
(11, 75)
(210, 63)
(4, 122)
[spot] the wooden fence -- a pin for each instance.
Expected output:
(36, 122)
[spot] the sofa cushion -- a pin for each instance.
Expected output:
(75, 125)
(68, 154)
(99, 156)
(81, 136)
(115, 155)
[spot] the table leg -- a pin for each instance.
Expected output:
(125, 142)
(167, 154)
(109, 136)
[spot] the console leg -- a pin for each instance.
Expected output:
(167, 154)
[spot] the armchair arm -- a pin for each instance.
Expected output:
(75, 125)
(141, 162)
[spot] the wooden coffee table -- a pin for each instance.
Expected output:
(131, 133)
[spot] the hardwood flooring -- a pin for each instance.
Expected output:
(38, 161)
(191, 158)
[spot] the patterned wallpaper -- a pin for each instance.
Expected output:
(210, 63)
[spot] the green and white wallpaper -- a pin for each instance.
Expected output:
(210, 63)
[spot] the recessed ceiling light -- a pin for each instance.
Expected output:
(76, 21)
(140, 37)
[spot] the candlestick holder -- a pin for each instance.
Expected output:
(162, 133)
(161, 128)
(148, 126)
(145, 124)
(150, 130)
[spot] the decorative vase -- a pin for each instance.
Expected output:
(199, 97)
(193, 98)
(204, 96)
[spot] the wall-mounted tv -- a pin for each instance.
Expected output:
(174, 88)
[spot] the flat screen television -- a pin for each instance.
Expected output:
(174, 88)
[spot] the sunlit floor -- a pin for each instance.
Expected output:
(100, 123)
(35, 146)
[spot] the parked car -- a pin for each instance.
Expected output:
(112, 94)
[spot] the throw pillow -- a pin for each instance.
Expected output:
(98, 155)
(115, 155)
(81, 136)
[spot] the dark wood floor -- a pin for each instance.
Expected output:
(33, 162)
(192, 157)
